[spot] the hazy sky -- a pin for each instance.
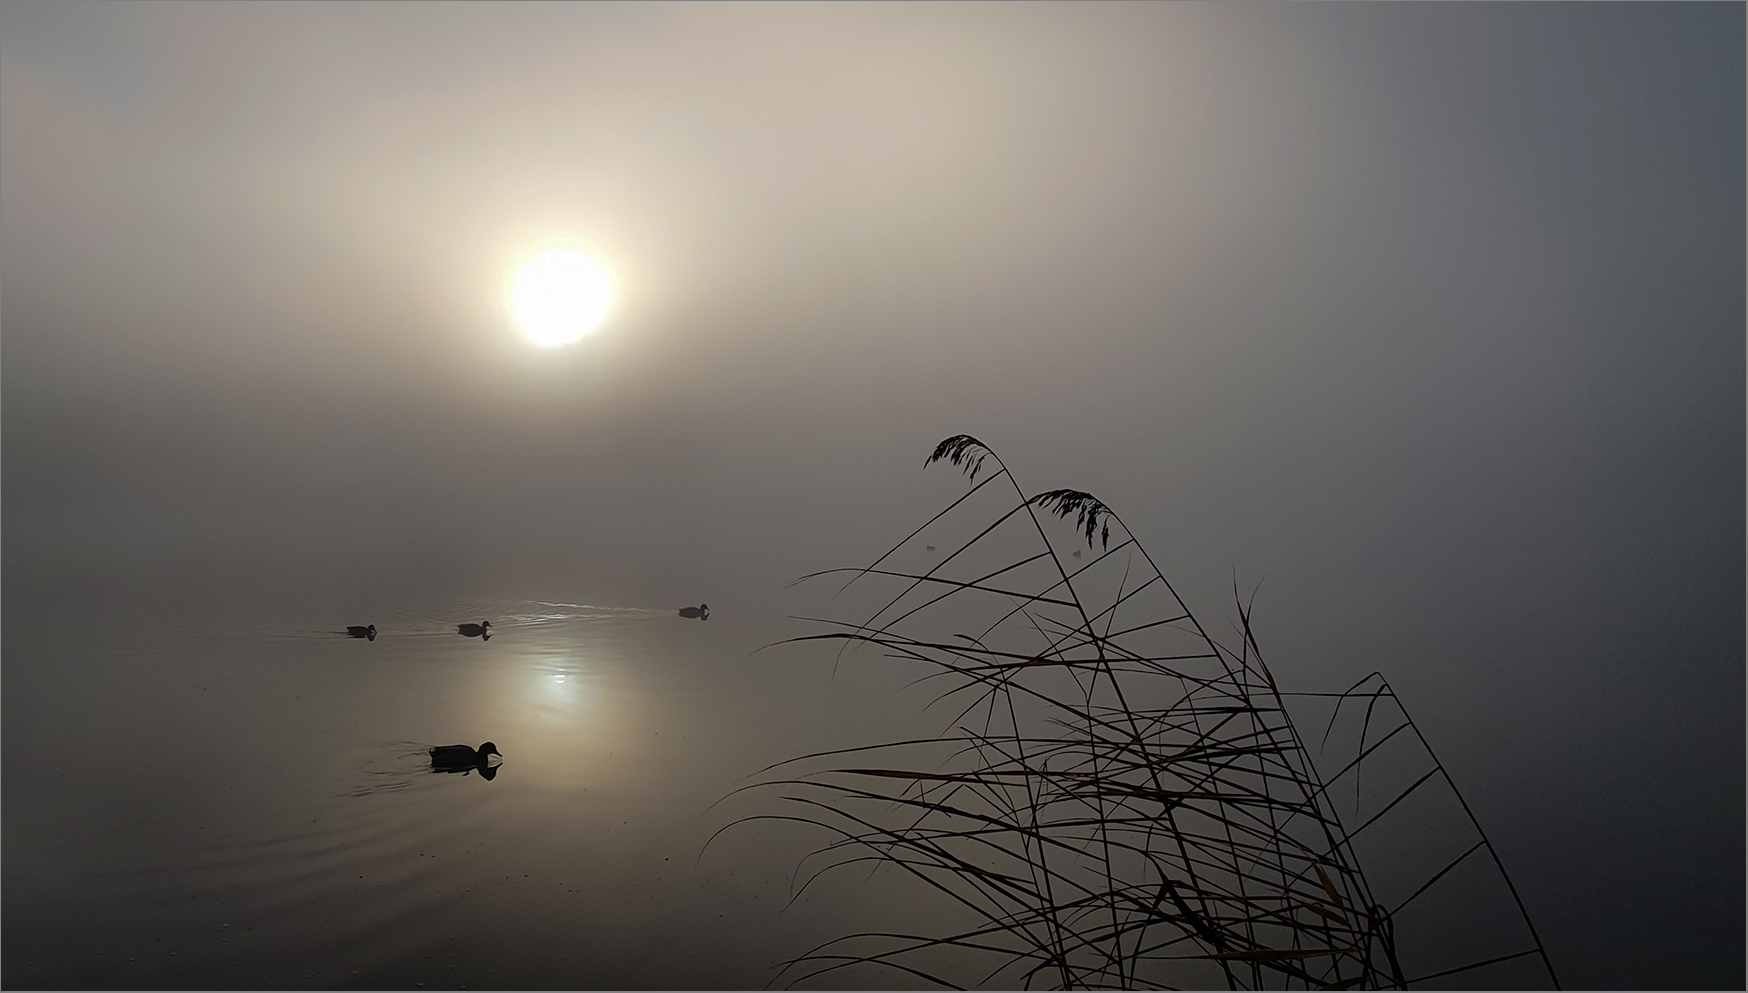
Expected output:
(1432, 316)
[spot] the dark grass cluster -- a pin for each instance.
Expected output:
(1120, 800)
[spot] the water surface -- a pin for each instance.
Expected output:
(247, 801)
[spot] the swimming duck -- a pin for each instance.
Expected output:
(361, 631)
(474, 630)
(702, 612)
(461, 756)
(462, 759)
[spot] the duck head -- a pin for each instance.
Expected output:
(489, 760)
(370, 632)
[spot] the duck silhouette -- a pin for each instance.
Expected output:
(361, 631)
(465, 759)
(701, 612)
(480, 630)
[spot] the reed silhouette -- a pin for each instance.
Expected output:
(1121, 800)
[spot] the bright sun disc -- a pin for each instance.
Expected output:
(558, 297)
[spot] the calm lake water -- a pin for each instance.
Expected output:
(249, 803)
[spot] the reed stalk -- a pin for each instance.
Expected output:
(1120, 800)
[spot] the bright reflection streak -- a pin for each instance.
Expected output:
(559, 689)
(559, 707)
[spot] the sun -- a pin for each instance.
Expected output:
(558, 297)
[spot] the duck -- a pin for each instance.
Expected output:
(702, 612)
(461, 756)
(474, 630)
(464, 759)
(361, 631)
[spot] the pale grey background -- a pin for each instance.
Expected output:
(1431, 315)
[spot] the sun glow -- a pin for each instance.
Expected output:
(558, 297)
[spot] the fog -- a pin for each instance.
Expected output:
(1428, 318)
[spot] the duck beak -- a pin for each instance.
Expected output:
(493, 760)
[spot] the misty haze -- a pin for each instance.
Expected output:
(417, 418)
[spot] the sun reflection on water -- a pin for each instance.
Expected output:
(560, 709)
(559, 686)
